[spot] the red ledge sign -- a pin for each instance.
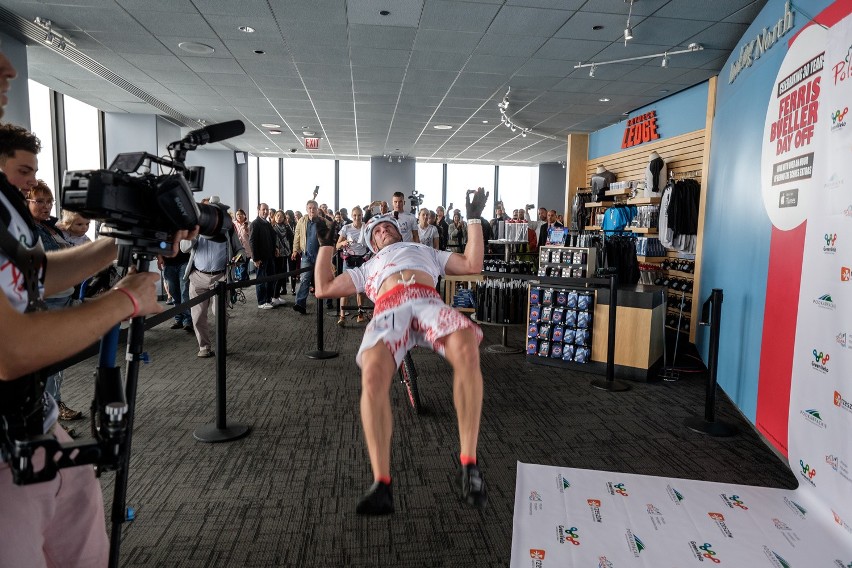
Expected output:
(640, 129)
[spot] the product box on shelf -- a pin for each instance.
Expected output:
(560, 323)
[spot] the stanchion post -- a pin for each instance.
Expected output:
(709, 425)
(320, 353)
(220, 431)
(610, 384)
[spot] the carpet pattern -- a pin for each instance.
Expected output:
(285, 494)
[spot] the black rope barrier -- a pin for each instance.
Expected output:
(711, 314)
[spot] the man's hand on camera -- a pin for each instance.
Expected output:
(476, 205)
(142, 287)
(179, 236)
(325, 235)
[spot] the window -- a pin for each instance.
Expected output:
(252, 186)
(270, 178)
(82, 134)
(518, 186)
(462, 177)
(354, 183)
(301, 175)
(40, 125)
(429, 182)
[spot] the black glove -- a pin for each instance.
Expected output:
(476, 205)
(325, 236)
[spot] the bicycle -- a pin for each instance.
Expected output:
(408, 377)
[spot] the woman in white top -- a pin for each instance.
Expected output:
(428, 234)
(354, 253)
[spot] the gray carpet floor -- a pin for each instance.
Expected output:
(285, 494)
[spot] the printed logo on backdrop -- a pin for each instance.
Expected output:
(536, 504)
(825, 302)
(845, 273)
(733, 501)
(787, 532)
(838, 465)
(656, 516)
(833, 182)
(595, 508)
(704, 552)
(564, 535)
(807, 472)
(562, 483)
(841, 522)
(719, 519)
(604, 563)
(800, 511)
(812, 415)
(634, 543)
(674, 495)
(820, 362)
(837, 117)
(618, 488)
(776, 559)
(841, 402)
(841, 564)
(830, 241)
(537, 557)
(841, 70)
(848, 211)
(844, 340)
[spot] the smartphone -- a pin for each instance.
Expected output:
(316, 191)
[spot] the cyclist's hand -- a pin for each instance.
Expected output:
(325, 235)
(476, 205)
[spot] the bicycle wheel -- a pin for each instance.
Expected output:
(408, 377)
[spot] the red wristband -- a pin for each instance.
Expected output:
(132, 299)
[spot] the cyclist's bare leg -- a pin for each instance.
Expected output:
(377, 370)
(461, 349)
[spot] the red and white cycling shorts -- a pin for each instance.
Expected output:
(409, 315)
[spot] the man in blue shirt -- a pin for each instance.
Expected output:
(305, 242)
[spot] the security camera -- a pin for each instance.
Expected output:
(293, 149)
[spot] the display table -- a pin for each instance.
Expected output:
(453, 283)
(503, 348)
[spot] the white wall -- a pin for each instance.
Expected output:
(18, 108)
(219, 174)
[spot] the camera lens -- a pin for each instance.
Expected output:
(214, 221)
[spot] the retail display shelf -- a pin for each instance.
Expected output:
(642, 230)
(593, 227)
(681, 274)
(650, 258)
(643, 201)
(593, 204)
(618, 192)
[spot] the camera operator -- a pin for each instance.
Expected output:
(60, 522)
(407, 221)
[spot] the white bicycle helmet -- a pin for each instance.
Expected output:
(367, 230)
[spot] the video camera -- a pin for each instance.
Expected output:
(140, 208)
(416, 201)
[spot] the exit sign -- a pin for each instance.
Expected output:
(312, 143)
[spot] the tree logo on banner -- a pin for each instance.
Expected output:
(812, 415)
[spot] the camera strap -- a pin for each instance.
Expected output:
(31, 261)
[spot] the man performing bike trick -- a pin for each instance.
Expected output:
(400, 279)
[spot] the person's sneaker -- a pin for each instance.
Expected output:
(299, 308)
(341, 321)
(66, 413)
(170, 302)
(378, 500)
(205, 353)
(188, 327)
(70, 431)
(473, 486)
(329, 305)
(361, 317)
(176, 325)
(266, 306)
(277, 302)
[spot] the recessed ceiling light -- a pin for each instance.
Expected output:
(604, 99)
(247, 29)
(664, 90)
(196, 48)
(275, 132)
(484, 122)
(597, 28)
(442, 127)
(384, 12)
(305, 127)
(270, 125)
(309, 133)
(259, 51)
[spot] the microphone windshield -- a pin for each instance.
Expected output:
(216, 132)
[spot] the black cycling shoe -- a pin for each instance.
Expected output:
(377, 501)
(473, 486)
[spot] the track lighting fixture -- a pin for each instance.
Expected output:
(390, 159)
(665, 55)
(399, 159)
(52, 37)
(505, 120)
(628, 31)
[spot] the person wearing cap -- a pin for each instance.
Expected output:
(400, 279)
